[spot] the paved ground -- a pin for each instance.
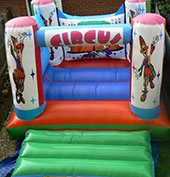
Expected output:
(7, 146)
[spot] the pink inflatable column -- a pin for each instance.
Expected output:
(147, 62)
(25, 69)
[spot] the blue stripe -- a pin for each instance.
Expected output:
(39, 20)
(40, 37)
(44, 58)
(30, 114)
(46, 28)
(146, 114)
(87, 74)
(87, 90)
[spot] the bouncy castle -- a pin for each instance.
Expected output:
(101, 73)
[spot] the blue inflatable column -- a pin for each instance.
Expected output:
(24, 63)
(147, 62)
(47, 10)
(134, 8)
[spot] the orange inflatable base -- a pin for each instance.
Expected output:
(91, 115)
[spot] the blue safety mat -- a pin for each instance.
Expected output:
(7, 166)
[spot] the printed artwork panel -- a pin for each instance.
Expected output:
(47, 13)
(115, 19)
(75, 36)
(88, 52)
(49, 17)
(95, 52)
(147, 63)
(134, 9)
(20, 50)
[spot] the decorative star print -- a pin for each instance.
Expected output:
(133, 96)
(134, 67)
(29, 35)
(154, 101)
(161, 35)
(32, 74)
(9, 43)
(32, 100)
(158, 75)
(140, 10)
(134, 33)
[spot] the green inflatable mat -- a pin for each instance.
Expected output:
(85, 154)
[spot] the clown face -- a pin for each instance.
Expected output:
(143, 47)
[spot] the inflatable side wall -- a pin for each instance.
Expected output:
(147, 62)
(24, 63)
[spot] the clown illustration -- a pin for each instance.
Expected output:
(147, 69)
(16, 49)
(48, 22)
(131, 15)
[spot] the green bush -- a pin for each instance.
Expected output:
(164, 7)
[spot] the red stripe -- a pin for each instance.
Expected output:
(116, 39)
(39, 69)
(131, 69)
(95, 63)
(89, 113)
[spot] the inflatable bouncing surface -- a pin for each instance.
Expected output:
(99, 72)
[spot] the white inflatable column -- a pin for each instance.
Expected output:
(147, 62)
(134, 8)
(47, 10)
(24, 63)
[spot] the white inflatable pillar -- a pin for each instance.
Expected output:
(147, 63)
(47, 10)
(24, 63)
(58, 4)
(134, 8)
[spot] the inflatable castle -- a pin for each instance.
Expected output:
(99, 72)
